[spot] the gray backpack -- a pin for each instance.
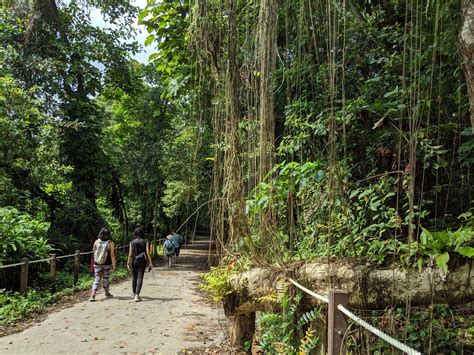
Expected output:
(101, 251)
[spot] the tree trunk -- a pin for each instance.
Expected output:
(355, 11)
(267, 43)
(155, 215)
(267, 51)
(233, 185)
(467, 50)
(368, 288)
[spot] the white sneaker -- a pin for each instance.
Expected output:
(137, 298)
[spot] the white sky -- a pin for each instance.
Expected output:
(98, 20)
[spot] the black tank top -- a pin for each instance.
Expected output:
(138, 246)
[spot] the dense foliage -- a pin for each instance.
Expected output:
(288, 130)
(368, 119)
(90, 137)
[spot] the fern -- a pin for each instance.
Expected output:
(308, 317)
(309, 342)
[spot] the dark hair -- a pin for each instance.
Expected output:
(104, 234)
(138, 232)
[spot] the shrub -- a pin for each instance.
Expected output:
(22, 236)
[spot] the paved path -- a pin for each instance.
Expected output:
(174, 316)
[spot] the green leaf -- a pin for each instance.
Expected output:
(149, 40)
(153, 56)
(143, 14)
(426, 232)
(442, 237)
(465, 251)
(442, 261)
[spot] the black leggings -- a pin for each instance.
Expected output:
(138, 270)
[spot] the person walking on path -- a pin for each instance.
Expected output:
(177, 240)
(104, 261)
(138, 258)
(168, 249)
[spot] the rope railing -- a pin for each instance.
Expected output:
(315, 295)
(62, 257)
(11, 265)
(86, 252)
(39, 261)
(50, 258)
(394, 342)
(65, 256)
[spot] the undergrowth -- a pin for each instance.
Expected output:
(438, 329)
(216, 281)
(288, 331)
(14, 306)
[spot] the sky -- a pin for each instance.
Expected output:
(98, 20)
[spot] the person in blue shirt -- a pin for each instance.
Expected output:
(177, 240)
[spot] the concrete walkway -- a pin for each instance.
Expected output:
(173, 317)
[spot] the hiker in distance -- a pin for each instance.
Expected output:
(168, 249)
(138, 259)
(104, 261)
(177, 240)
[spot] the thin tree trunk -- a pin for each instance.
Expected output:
(467, 50)
(355, 11)
(155, 212)
(267, 42)
(267, 51)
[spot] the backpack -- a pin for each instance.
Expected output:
(101, 251)
(169, 247)
(140, 256)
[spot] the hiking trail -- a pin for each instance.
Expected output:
(174, 317)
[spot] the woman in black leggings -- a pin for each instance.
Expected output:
(138, 258)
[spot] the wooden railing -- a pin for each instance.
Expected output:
(25, 264)
(337, 322)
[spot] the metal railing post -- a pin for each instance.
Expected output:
(337, 322)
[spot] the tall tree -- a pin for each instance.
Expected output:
(233, 184)
(60, 54)
(267, 33)
(467, 50)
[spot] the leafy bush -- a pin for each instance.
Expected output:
(437, 329)
(14, 306)
(279, 331)
(22, 236)
(438, 246)
(216, 282)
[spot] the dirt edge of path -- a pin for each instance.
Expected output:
(38, 316)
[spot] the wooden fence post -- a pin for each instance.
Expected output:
(52, 272)
(337, 322)
(24, 276)
(77, 266)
